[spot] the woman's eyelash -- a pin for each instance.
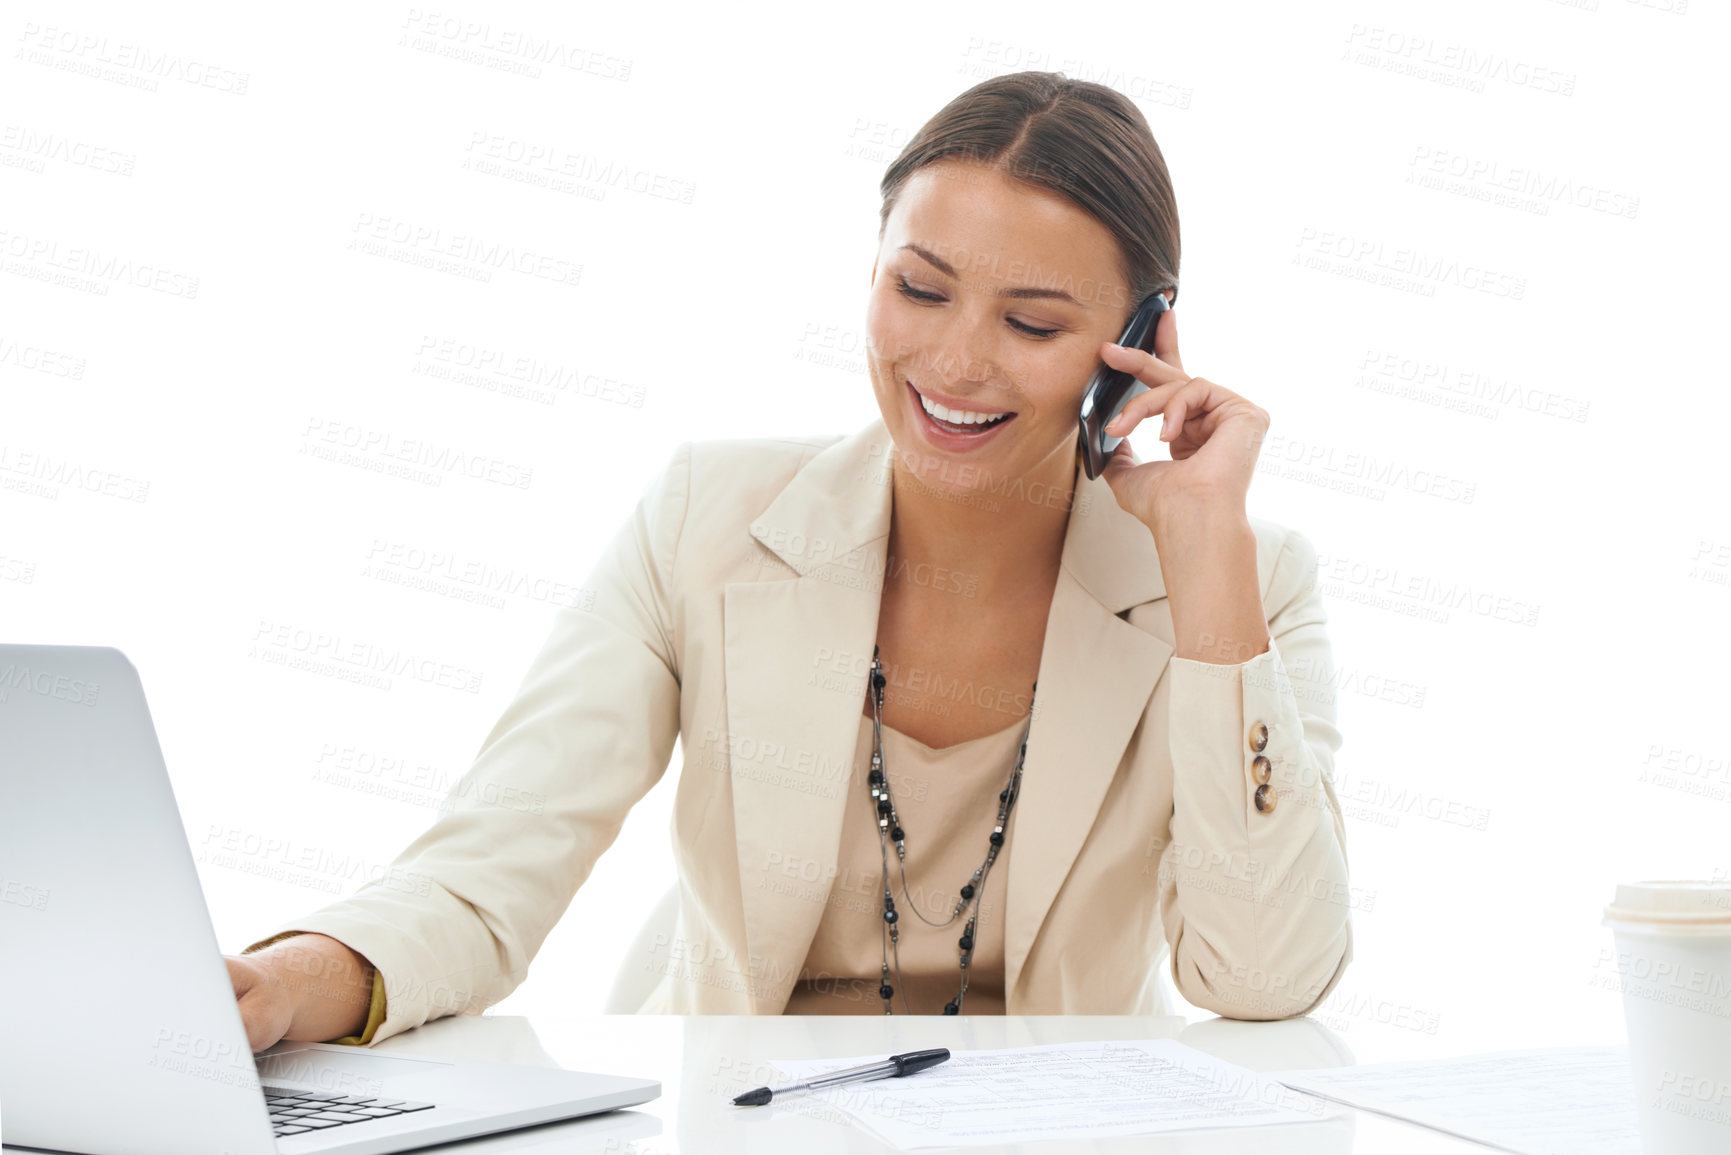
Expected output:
(909, 291)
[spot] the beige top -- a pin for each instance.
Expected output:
(947, 800)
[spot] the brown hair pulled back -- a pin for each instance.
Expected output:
(1082, 140)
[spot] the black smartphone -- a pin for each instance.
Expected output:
(1109, 390)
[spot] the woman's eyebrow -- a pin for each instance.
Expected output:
(948, 270)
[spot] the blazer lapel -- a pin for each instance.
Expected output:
(797, 654)
(1097, 673)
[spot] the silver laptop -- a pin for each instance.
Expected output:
(119, 1030)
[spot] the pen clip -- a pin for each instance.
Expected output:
(918, 1061)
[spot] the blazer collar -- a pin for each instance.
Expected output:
(797, 652)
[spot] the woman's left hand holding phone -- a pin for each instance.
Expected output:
(1195, 503)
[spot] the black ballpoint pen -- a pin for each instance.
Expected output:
(893, 1067)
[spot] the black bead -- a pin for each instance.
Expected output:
(883, 805)
(877, 680)
(968, 891)
(876, 777)
(966, 942)
(886, 991)
(1004, 794)
(896, 833)
(890, 915)
(997, 838)
(951, 1008)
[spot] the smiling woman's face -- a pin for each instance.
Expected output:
(989, 297)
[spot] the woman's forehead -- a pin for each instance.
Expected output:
(1000, 233)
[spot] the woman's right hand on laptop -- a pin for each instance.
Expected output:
(306, 988)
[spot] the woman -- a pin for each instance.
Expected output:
(927, 673)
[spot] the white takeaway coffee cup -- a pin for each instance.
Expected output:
(1674, 959)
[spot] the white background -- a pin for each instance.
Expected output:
(1557, 359)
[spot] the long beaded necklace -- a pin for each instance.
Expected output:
(890, 830)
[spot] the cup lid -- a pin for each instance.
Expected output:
(1676, 903)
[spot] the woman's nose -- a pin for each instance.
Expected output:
(962, 353)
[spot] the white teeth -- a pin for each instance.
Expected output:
(958, 416)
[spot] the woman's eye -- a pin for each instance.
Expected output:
(909, 291)
(1031, 331)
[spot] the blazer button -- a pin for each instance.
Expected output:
(1264, 798)
(1259, 737)
(1260, 770)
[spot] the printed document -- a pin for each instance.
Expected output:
(1061, 1091)
(1555, 1101)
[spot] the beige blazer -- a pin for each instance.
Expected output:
(735, 611)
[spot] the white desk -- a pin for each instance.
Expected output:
(703, 1061)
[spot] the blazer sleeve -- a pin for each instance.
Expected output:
(1255, 901)
(451, 926)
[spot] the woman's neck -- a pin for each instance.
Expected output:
(999, 540)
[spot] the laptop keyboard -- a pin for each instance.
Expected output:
(293, 1112)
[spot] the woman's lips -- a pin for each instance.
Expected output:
(946, 438)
